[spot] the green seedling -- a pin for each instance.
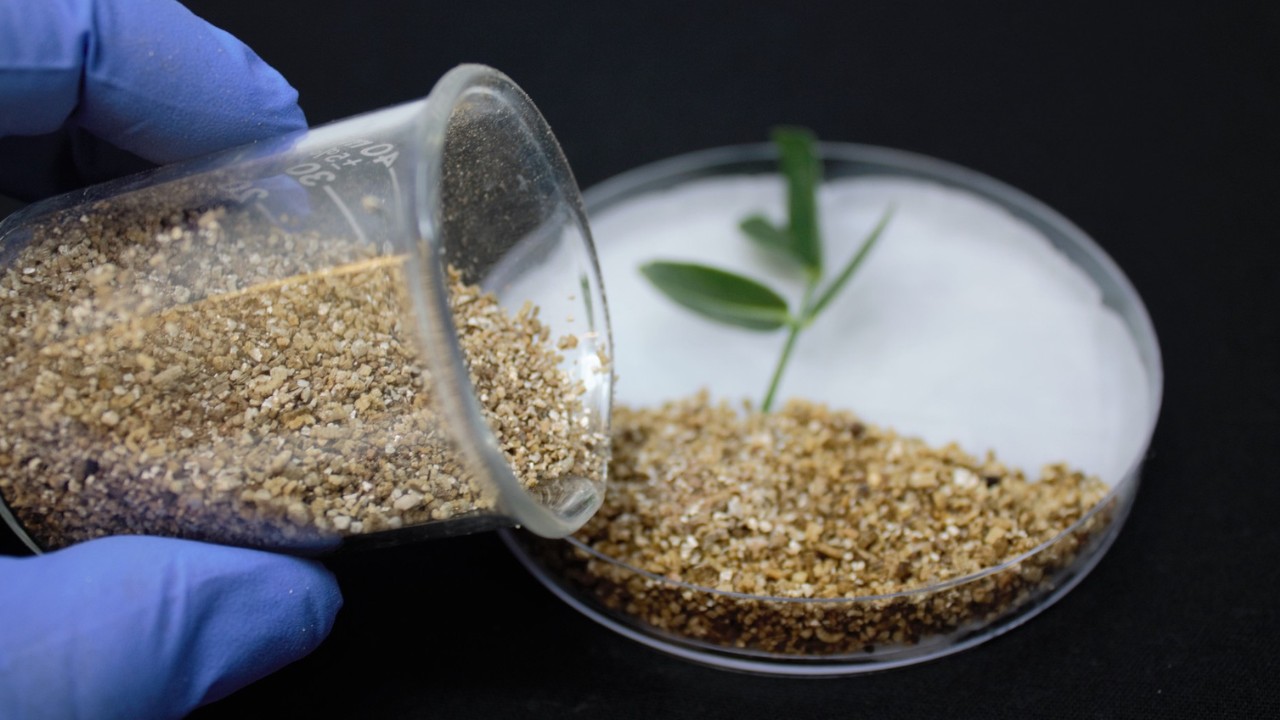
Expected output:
(733, 299)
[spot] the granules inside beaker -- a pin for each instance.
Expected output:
(188, 373)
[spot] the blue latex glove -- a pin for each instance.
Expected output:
(141, 627)
(138, 627)
(81, 80)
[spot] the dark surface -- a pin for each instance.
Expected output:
(1155, 128)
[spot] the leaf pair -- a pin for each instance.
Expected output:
(799, 242)
(733, 299)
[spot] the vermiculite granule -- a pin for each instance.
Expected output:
(809, 503)
(811, 531)
(189, 374)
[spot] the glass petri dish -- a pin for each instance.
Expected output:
(825, 636)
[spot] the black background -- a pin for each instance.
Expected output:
(1155, 127)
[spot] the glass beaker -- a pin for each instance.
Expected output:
(383, 328)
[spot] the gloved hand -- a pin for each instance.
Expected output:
(83, 80)
(138, 627)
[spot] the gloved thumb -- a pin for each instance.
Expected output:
(143, 627)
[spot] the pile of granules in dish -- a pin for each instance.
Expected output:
(812, 503)
(176, 374)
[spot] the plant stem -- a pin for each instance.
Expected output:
(809, 307)
(796, 325)
(794, 332)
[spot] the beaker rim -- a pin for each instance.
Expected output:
(477, 438)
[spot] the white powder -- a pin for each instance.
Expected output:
(963, 324)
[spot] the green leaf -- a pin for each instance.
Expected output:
(847, 272)
(799, 163)
(767, 235)
(720, 295)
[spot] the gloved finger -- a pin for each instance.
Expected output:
(142, 627)
(148, 76)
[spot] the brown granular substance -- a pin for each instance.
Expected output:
(188, 374)
(812, 503)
